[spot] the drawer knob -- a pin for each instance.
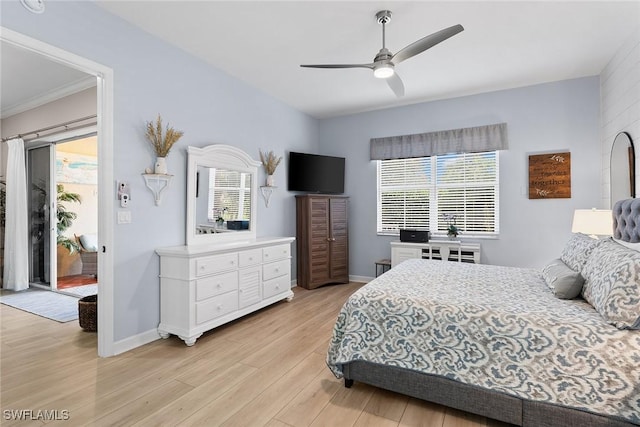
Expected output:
(219, 307)
(218, 286)
(277, 270)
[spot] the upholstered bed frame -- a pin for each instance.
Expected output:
(626, 220)
(483, 401)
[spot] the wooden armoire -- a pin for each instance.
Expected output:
(322, 240)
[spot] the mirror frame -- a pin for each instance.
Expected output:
(224, 157)
(625, 139)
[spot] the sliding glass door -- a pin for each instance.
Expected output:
(41, 189)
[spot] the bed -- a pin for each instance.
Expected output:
(512, 344)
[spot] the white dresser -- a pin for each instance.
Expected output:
(448, 250)
(205, 286)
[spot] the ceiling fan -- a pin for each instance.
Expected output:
(384, 62)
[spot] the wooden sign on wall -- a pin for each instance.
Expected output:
(550, 176)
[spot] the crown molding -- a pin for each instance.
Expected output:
(49, 96)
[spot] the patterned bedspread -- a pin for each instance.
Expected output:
(496, 327)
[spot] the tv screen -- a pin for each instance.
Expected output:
(314, 173)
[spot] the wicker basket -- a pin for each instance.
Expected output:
(88, 313)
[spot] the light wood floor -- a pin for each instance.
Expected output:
(267, 369)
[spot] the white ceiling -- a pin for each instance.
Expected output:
(504, 45)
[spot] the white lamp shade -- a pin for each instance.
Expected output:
(594, 222)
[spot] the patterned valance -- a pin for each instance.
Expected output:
(468, 140)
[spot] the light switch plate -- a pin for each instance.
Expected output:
(124, 217)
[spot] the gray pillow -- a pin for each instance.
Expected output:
(563, 281)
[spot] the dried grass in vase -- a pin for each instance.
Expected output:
(162, 143)
(270, 162)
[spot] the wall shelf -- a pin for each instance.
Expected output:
(267, 191)
(157, 183)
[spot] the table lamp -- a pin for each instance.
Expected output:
(593, 222)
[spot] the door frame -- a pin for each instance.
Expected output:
(104, 87)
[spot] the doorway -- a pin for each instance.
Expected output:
(104, 127)
(63, 213)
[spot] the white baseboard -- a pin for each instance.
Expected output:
(135, 341)
(360, 279)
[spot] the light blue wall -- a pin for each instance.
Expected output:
(548, 117)
(153, 77)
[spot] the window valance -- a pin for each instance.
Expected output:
(468, 140)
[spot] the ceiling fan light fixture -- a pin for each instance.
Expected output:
(383, 71)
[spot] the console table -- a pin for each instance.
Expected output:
(447, 250)
(205, 286)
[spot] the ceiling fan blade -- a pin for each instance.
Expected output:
(396, 85)
(370, 66)
(425, 43)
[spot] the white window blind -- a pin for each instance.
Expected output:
(229, 194)
(418, 192)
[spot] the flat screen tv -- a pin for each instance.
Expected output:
(314, 173)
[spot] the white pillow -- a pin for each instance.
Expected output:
(89, 242)
(634, 246)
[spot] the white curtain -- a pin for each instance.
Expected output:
(16, 239)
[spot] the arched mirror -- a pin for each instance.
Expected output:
(623, 176)
(221, 195)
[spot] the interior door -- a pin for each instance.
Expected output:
(41, 199)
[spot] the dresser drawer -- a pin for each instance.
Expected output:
(215, 264)
(276, 286)
(215, 285)
(216, 307)
(274, 253)
(251, 257)
(276, 269)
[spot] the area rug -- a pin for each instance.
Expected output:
(81, 291)
(54, 306)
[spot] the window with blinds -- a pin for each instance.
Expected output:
(229, 195)
(423, 192)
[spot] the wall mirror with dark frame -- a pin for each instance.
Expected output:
(623, 169)
(221, 195)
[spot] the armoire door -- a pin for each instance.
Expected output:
(338, 240)
(319, 244)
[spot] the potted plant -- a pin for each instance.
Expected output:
(162, 141)
(270, 162)
(66, 218)
(452, 229)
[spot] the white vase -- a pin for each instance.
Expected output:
(161, 166)
(271, 181)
